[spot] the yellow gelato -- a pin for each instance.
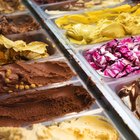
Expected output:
(83, 128)
(18, 50)
(102, 25)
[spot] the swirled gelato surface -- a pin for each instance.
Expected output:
(19, 24)
(42, 105)
(83, 128)
(21, 76)
(10, 6)
(130, 95)
(102, 25)
(117, 58)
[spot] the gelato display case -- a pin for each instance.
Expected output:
(62, 76)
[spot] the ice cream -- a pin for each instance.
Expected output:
(19, 24)
(97, 26)
(117, 58)
(10, 6)
(83, 128)
(70, 6)
(22, 76)
(10, 51)
(130, 95)
(42, 105)
(78, 5)
(47, 1)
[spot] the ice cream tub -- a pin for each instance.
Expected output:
(62, 8)
(54, 100)
(65, 7)
(60, 33)
(18, 23)
(94, 118)
(77, 27)
(95, 108)
(58, 8)
(117, 65)
(105, 87)
(37, 45)
(128, 92)
(87, 114)
(28, 93)
(41, 36)
(35, 74)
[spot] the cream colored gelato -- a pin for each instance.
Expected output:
(83, 128)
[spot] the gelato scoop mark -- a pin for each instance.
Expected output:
(10, 6)
(117, 58)
(43, 105)
(130, 95)
(22, 24)
(102, 25)
(11, 51)
(22, 76)
(83, 128)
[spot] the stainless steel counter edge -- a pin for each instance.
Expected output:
(130, 120)
(116, 105)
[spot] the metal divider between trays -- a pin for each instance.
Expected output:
(95, 109)
(118, 105)
(40, 31)
(48, 59)
(115, 101)
(86, 88)
(109, 97)
(41, 10)
(106, 90)
(51, 26)
(127, 116)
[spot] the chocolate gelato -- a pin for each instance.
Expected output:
(22, 76)
(10, 6)
(34, 106)
(130, 95)
(19, 24)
